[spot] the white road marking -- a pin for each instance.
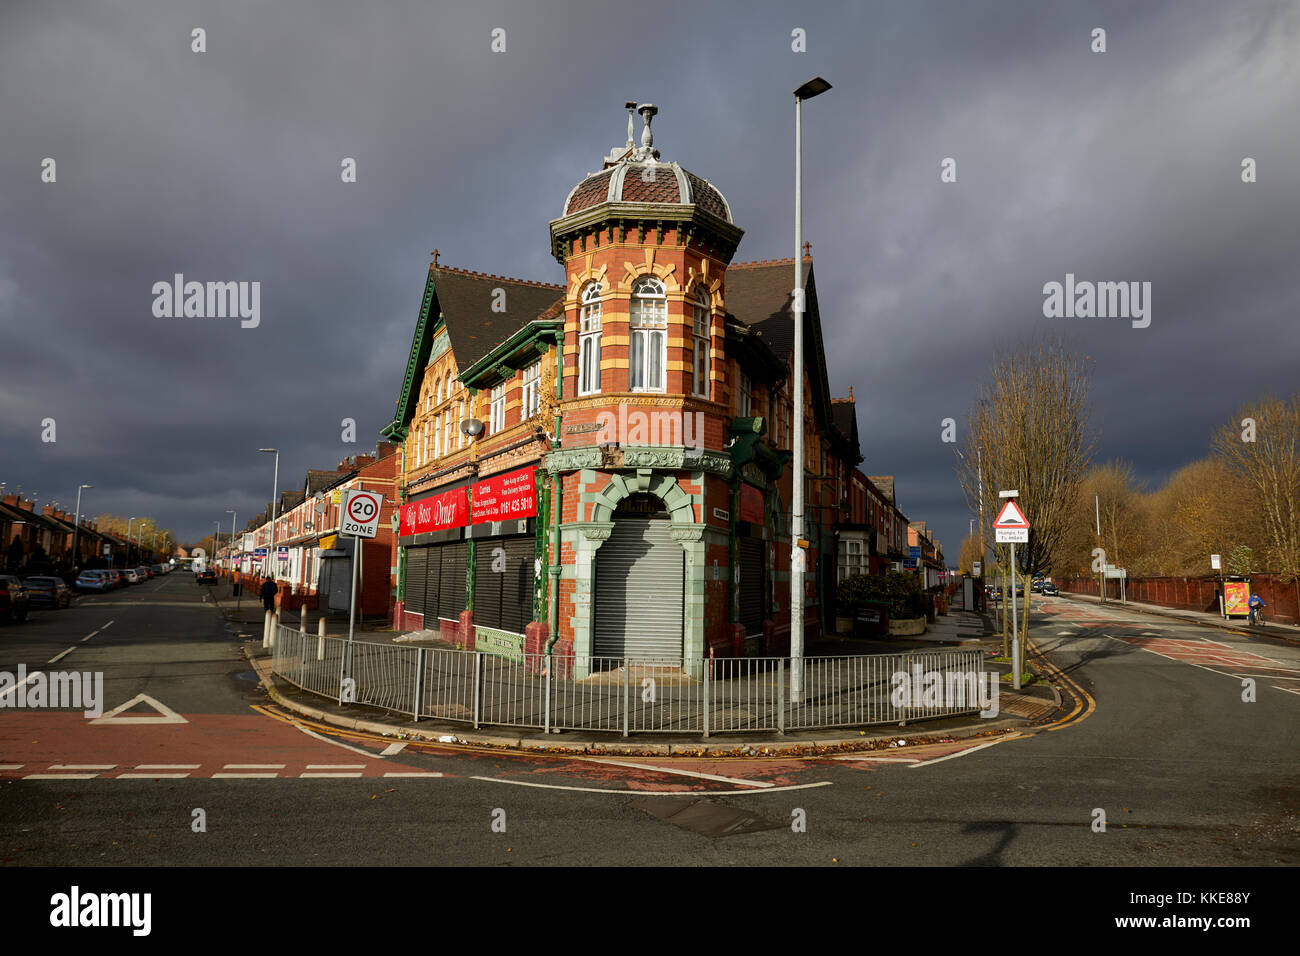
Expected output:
(651, 793)
(60, 776)
(165, 714)
(150, 776)
(253, 766)
(329, 774)
(1289, 690)
(882, 759)
(355, 750)
(412, 774)
(684, 773)
(12, 766)
(336, 766)
(962, 753)
(241, 776)
(105, 627)
(83, 766)
(61, 655)
(168, 766)
(393, 749)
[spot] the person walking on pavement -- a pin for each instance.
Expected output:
(267, 593)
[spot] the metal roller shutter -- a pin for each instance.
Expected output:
(640, 572)
(752, 606)
(417, 570)
(504, 599)
(451, 579)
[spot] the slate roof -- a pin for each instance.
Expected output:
(465, 300)
(462, 301)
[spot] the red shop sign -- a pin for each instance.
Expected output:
(751, 504)
(502, 497)
(447, 510)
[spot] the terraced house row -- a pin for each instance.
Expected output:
(602, 465)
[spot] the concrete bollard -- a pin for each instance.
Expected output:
(266, 629)
(320, 638)
(275, 624)
(302, 621)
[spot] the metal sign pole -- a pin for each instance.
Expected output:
(1015, 625)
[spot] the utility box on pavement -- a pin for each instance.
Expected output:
(871, 619)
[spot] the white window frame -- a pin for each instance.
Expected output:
(589, 341)
(702, 320)
(497, 409)
(648, 336)
(532, 397)
(460, 435)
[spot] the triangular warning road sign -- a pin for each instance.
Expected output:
(1011, 517)
(165, 714)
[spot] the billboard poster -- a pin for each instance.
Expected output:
(503, 497)
(1236, 598)
(435, 513)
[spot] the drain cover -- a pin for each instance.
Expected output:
(706, 817)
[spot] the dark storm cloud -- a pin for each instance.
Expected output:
(225, 166)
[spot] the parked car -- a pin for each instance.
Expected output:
(1036, 587)
(14, 599)
(1050, 588)
(94, 581)
(144, 571)
(48, 591)
(206, 576)
(131, 575)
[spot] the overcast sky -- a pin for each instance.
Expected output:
(225, 166)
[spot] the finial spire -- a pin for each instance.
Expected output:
(630, 106)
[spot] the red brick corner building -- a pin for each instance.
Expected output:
(601, 467)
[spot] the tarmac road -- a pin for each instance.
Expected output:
(1185, 771)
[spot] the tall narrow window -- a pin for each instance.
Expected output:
(446, 432)
(589, 341)
(700, 383)
(497, 421)
(648, 347)
(745, 407)
(532, 390)
(436, 433)
(460, 417)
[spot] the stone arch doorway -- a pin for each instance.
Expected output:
(594, 534)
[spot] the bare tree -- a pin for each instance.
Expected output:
(1263, 447)
(1028, 430)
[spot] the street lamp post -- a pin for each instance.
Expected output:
(233, 519)
(76, 529)
(275, 494)
(129, 522)
(798, 546)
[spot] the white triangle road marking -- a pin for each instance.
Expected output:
(165, 714)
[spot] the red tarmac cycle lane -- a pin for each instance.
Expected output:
(62, 744)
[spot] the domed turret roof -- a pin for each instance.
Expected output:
(635, 175)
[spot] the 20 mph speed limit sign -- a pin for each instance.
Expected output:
(361, 513)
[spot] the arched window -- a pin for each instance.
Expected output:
(438, 400)
(648, 346)
(701, 339)
(589, 341)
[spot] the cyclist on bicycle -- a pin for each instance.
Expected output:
(1257, 606)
